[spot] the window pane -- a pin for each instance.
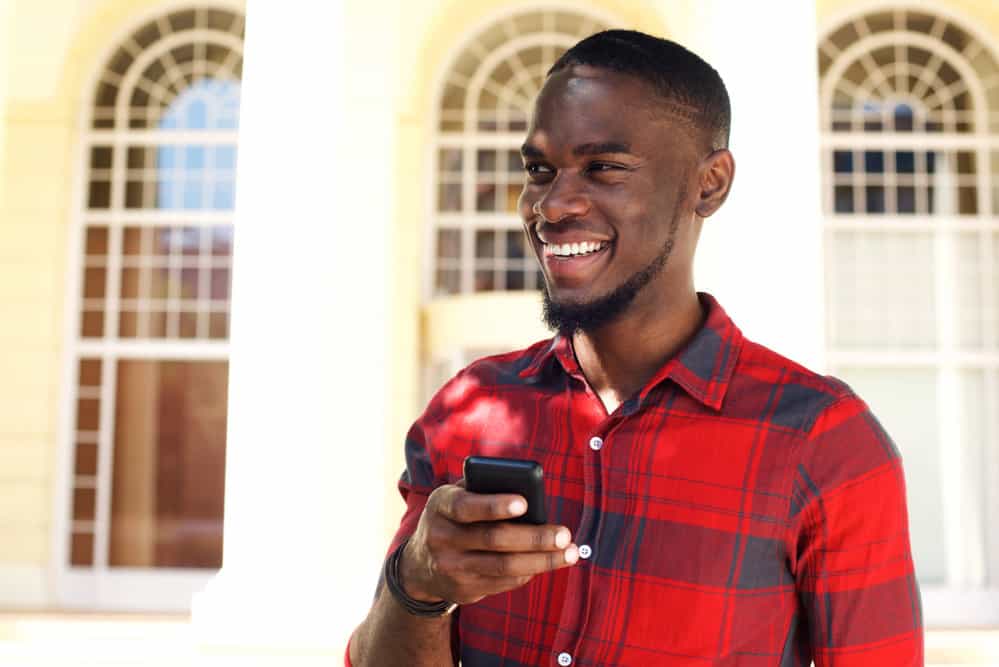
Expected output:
(169, 464)
(449, 161)
(485, 244)
(973, 446)
(485, 281)
(905, 401)
(485, 197)
(448, 243)
(515, 245)
(486, 161)
(82, 549)
(905, 162)
(448, 282)
(515, 280)
(905, 199)
(85, 460)
(883, 290)
(843, 199)
(842, 162)
(449, 197)
(875, 199)
(968, 292)
(874, 162)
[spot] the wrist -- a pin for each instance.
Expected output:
(416, 607)
(408, 579)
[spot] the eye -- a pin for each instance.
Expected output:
(602, 166)
(538, 171)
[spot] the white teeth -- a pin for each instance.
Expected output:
(573, 249)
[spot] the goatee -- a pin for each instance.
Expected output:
(568, 316)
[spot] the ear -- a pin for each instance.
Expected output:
(716, 173)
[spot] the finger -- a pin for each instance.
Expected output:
(462, 506)
(511, 537)
(486, 564)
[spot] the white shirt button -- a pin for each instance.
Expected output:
(596, 443)
(585, 551)
(564, 659)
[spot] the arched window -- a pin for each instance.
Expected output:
(910, 104)
(478, 244)
(147, 432)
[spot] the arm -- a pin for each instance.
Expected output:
(853, 566)
(414, 640)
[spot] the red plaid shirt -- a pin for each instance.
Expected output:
(740, 510)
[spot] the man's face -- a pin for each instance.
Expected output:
(614, 179)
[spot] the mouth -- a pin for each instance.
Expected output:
(569, 251)
(574, 264)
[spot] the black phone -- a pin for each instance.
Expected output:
(492, 474)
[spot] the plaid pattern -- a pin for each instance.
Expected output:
(741, 511)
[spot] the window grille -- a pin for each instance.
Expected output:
(153, 288)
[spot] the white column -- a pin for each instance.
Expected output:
(304, 493)
(761, 254)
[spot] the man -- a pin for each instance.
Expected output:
(712, 503)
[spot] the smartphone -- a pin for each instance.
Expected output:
(491, 474)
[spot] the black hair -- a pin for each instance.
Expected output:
(689, 86)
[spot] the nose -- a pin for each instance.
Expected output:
(565, 199)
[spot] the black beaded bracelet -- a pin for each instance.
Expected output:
(414, 607)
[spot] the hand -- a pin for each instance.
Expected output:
(463, 550)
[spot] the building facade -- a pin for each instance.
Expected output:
(119, 140)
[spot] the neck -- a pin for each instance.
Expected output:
(621, 357)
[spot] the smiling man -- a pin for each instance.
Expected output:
(712, 503)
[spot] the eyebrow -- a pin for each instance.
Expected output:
(601, 148)
(598, 148)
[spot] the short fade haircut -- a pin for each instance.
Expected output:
(688, 86)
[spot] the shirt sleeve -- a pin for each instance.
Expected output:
(853, 561)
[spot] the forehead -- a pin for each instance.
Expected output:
(582, 103)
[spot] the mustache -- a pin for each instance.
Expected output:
(545, 230)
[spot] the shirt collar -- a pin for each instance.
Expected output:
(703, 368)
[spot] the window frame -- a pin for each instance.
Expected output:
(99, 586)
(970, 594)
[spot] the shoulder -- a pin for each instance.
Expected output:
(487, 375)
(790, 394)
(507, 368)
(841, 437)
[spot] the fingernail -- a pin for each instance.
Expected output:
(518, 507)
(571, 554)
(562, 538)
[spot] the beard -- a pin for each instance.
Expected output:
(570, 316)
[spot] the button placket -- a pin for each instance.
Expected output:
(564, 659)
